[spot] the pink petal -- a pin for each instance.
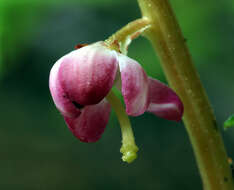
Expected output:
(61, 100)
(135, 86)
(164, 102)
(87, 74)
(91, 123)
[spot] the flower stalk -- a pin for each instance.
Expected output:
(123, 37)
(168, 41)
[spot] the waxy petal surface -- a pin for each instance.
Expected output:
(88, 74)
(91, 123)
(60, 98)
(164, 102)
(134, 86)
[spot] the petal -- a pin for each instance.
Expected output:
(87, 74)
(60, 98)
(91, 123)
(164, 102)
(135, 88)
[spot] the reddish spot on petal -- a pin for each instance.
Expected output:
(78, 46)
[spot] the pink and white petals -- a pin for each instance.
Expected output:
(80, 80)
(134, 86)
(88, 74)
(60, 98)
(91, 123)
(164, 102)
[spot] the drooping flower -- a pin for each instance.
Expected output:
(80, 81)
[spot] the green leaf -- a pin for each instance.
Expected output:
(229, 122)
(18, 25)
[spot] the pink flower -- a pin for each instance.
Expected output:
(80, 81)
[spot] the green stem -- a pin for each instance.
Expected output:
(129, 148)
(199, 119)
(122, 38)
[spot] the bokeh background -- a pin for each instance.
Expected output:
(37, 152)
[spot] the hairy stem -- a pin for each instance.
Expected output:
(200, 123)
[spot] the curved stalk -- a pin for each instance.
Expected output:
(123, 37)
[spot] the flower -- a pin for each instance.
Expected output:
(80, 81)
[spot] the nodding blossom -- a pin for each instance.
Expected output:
(80, 81)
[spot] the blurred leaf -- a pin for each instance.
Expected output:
(60, 2)
(18, 23)
(1, 38)
(203, 25)
(229, 122)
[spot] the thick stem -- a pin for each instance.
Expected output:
(167, 39)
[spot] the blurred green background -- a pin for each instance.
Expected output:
(36, 149)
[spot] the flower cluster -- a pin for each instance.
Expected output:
(80, 81)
